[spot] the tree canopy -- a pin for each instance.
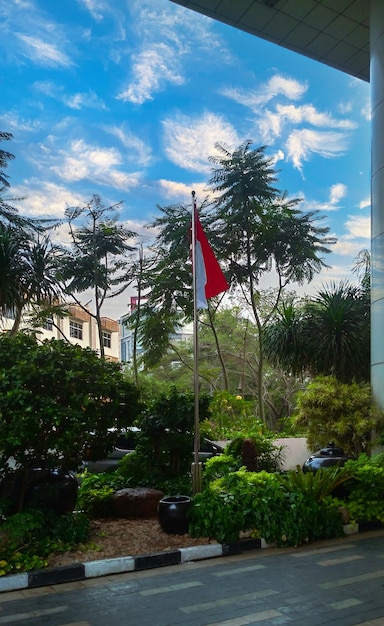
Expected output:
(253, 229)
(55, 399)
(327, 335)
(97, 259)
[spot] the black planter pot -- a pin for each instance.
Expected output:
(172, 513)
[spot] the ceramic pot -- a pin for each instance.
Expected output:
(172, 513)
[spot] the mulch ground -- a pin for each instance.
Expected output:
(125, 537)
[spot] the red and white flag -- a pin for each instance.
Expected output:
(210, 280)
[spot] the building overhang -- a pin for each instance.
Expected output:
(334, 32)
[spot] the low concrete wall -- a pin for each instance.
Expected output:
(295, 451)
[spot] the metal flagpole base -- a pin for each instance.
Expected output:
(196, 469)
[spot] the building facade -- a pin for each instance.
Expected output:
(79, 327)
(184, 333)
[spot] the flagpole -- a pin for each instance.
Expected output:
(196, 465)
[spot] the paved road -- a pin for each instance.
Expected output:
(334, 583)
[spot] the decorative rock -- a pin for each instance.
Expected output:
(138, 502)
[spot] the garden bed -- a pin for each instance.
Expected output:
(112, 538)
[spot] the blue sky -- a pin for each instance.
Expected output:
(127, 99)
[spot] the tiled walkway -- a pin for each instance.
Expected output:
(335, 583)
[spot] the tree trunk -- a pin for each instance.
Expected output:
(219, 353)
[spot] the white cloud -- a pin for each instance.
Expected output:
(45, 199)
(365, 204)
(167, 35)
(152, 68)
(48, 88)
(358, 226)
(190, 141)
(84, 100)
(301, 144)
(269, 126)
(356, 236)
(345, 107)
(337, 192)
(275, 86)
(80, 161)
(95, 8)
(180, 193)
(44, 52)
(14, 123)
(308, 113)
(137, 150)
(75, 101)
(366, 111)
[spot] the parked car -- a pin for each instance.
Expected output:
(326, 457)
(126, 443)
(54, 489)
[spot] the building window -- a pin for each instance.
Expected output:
(48, 325)
(10, 313)
(106, 339)
(75, 329)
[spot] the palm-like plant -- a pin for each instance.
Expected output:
(5, 156)
(328, 335)
(283, 340)
(337, 329)
(27, 272)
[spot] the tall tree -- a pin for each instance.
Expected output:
(97, 259)
(167, 281)
(27, 272)
(8, 213)
(257, 230)
(253, 229)
(5, 157)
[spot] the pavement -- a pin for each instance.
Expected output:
(335, 583)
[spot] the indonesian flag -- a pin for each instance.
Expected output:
(210, 280)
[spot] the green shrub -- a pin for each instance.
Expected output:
(55, 398)
(219, 466)
(316, 485)
(329, 410)
(96, 491)
(364, 497)
(229, 415)
(267, 504)
(167, 432)
(257, 452)
(27, 538)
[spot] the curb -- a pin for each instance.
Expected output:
(119, 565)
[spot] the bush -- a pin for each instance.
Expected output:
(257, 452)
(229, 415)
(164, 450)
(27, 538)
(54, 399)
(267, 504)
(329, 410)
(96, 491)
(364, 492)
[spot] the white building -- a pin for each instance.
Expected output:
(79, 327)
(185, 333)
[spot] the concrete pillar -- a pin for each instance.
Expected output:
(377, 194)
